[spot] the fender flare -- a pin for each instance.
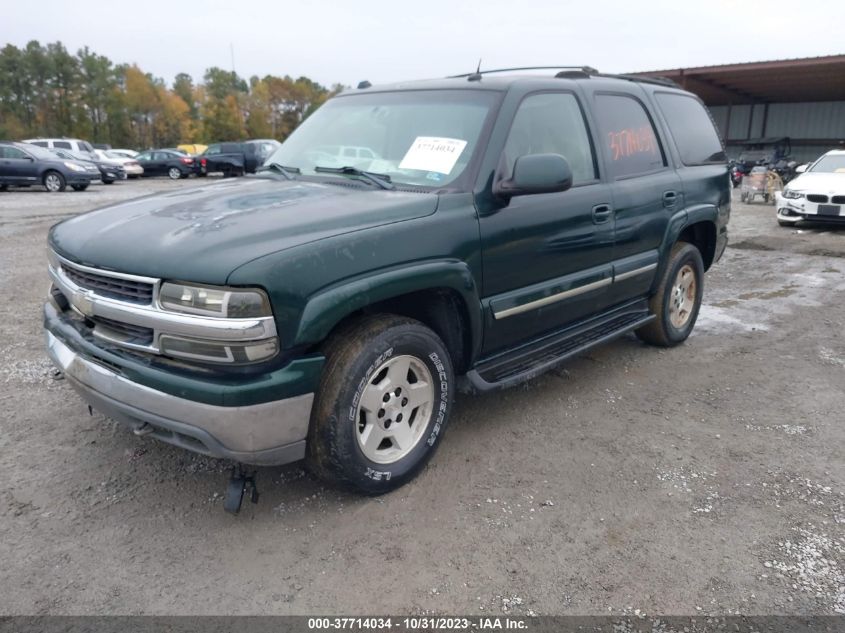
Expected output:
(677, 223)
(328, 307)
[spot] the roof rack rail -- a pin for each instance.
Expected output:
(475, 76)
(659, 81)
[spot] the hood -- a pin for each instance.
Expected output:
(827, 183)
(202, 234)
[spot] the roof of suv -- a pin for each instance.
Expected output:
(493, 80)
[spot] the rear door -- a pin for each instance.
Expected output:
(547, 257)
(645, 188)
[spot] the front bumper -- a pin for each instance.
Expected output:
(271, 433)
(795, 210)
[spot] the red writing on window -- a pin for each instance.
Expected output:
(632, 141)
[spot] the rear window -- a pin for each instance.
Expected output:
(629, 139)
(692, 128)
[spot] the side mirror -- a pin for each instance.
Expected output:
(535, 173)
(801, 168)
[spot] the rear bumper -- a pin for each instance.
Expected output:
(270, 433)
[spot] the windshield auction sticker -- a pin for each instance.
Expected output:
(432, 153)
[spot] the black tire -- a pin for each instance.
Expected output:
(174, 173)
(4, 187)
(787, 224)
(109, 181)
(354, 358)
(185, 174)
(79, 187)
(661, 331)
(52, 176)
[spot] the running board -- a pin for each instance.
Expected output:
(532, 360)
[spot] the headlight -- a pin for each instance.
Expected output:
(792, 195)
(75, 167)
(219, 351)
(230, 303)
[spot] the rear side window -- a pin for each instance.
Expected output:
(40, 143)
(628, 135)
(692, 128)
(62, 144)
(552, 123)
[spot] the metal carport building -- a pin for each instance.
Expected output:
(803, 99)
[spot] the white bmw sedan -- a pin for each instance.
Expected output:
(817, 194)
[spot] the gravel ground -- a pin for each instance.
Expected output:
(706, 479)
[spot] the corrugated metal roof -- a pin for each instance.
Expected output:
(777, 81)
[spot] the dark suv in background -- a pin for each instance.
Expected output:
(25, 165)
(494, 227)
(235, 159)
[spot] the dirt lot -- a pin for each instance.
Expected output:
(703, 479)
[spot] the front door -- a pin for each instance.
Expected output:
(16, 166)
(547, 258)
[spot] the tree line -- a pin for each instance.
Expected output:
(48, 91)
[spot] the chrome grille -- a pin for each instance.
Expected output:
(125, 332)
(112, 287)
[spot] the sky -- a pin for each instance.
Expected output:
(345, 42)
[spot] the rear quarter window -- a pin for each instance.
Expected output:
(692, 128)
(629, 139)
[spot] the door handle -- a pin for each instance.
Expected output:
(669, 199)
(601, 213)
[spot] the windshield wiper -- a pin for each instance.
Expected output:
(380, 180)
(287, 172)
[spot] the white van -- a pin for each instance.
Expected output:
(81, 148)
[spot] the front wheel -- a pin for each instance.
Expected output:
(175, 173)
(53, 182)
(108, 181)
(678, 298)
(382, 406)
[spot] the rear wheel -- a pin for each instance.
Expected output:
(678, 298)
(53, 181)
(109, 181)
(175, 173)
(79, 187)
(382, 406)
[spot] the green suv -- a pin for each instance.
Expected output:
(406, 242)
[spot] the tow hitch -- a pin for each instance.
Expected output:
(240, 480)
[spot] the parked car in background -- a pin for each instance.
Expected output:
(194, 149)
(131, 166)
(75, 145)
(128, 153)
(25, 165)
(816, 194)
(101, 146)
(235, 159)
(165, 162)
(110, 170)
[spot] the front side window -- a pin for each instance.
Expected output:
(628, 137)
(692, 128)
(62, 144)
(421, 137)
(12, 152)
(552, 123)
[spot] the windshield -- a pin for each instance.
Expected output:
(421, 138)
(832, 163)
(40, 152)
